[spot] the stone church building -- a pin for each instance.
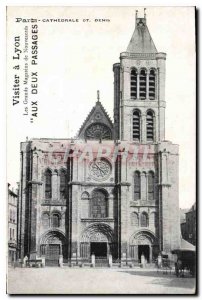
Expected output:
(114, 188)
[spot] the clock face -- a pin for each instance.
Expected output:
(98, 131)
(100, 169)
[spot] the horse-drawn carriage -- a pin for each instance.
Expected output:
(186, 262)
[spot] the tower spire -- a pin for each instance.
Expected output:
(145, 13)
(136, 15)
(98, 95)
(141, 40)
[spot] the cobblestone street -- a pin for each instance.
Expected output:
(96, 281)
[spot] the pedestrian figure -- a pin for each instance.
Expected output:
(25, 259)
(142, 260)
(159, 261)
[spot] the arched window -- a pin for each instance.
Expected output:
(134, 219)
(143, 84)
(151, 185)
(152, 83)
(150, 126)
(45, 219)
(48, 184)
(99, 205)
(62, 184)
(137, 186)
(144, 219)
(133, 84)
(136, 125)
(55, 220)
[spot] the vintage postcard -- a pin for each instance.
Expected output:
(101, 150)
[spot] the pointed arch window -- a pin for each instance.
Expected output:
(48, 184)
(136, 125)
(150, 126)
(143, 84)
(137, 186)
(133, 84)
(152, 85)
(62, 184)
(151, 185)
(144, 220)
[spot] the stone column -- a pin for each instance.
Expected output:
(143, 129)
(156, 85)
(155, 128)
(126, 83)
(110, 206)
(161, 58)
(143, 186)
(33, 202)
(165, 203)
(161, 121)
(124, 219)
(147, 85)
(138, 85)
(116, 69)
(146, 186)
(55, 185)
(75, 219)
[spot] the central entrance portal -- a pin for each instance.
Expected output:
(98, 249)
(52, 255)
(143, 249)
(98, 240)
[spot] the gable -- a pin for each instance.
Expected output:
(97, 119)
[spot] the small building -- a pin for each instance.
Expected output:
(188, 226)
(12, 224)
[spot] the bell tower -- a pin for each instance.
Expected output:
(139, 89)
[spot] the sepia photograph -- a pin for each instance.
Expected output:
(101, 143)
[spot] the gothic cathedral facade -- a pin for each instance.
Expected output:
(114, 188)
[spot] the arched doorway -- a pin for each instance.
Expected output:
(98, 239)
(143, 242)
(53, 244)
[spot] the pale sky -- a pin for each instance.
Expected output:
(75, 60)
